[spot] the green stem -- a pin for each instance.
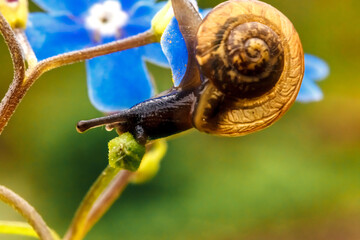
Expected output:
(124, 152)
(105, 201)
(76, 229)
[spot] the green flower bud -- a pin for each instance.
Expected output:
(125, 152)
(15, 12)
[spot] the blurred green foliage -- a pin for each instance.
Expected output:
(299, 179)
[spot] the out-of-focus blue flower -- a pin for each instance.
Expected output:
(315, 70)
(174, 47)
(117, 80)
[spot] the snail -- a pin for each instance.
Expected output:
(245, 67)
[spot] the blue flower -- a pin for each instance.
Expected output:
(315, 70)
(115, 81)
(174, 48)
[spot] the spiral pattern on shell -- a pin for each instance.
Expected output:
(253, 62)
(244, 59)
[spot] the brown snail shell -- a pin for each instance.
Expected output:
(253, 62)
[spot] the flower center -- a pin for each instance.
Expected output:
(106, 19)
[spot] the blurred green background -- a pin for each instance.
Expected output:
(299, 179)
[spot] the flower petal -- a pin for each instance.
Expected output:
(143, 12)
(174, 48)
(52, 35)
(118, 80)
(154, 54)
(129, 4)
(309, 92)
(315, 68)
(81, 6)
(75, 8)
(140, 16)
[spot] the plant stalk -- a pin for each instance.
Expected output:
(27, 211)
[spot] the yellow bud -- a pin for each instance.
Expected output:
(162, 19)
(150, 163)
(15, 12)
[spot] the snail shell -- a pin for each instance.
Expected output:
(253, 63)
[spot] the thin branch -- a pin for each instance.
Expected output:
(43, 66)
(10, 101)
(106, 200)
(101, 196)
(27, 211)
(28, 52)
(76, 229)
(15, 50)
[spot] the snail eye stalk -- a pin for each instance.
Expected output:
(117, 119)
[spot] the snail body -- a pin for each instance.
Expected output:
(244, 71)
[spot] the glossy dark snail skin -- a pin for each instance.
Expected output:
(245, 67)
